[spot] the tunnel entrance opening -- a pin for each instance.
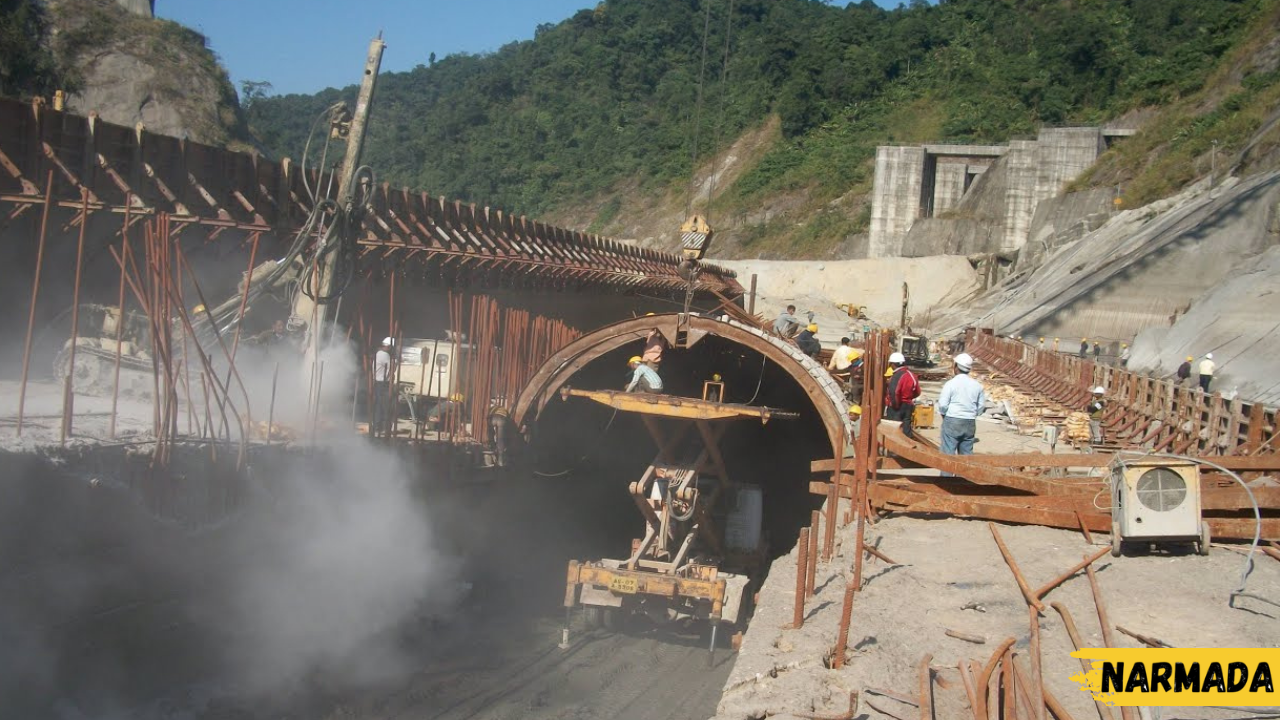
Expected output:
(773, 457)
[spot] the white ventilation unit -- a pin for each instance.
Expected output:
(1156, 500)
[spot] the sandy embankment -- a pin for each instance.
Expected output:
(876, 284)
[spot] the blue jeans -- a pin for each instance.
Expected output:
(958, 435)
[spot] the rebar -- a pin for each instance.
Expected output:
(68, 388)
(35, 295)
(802, 560)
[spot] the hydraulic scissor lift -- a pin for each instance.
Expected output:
(689, 563)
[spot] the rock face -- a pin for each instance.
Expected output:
(144, 8)
(133, 69)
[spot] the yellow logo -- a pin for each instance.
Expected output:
(1174, 677)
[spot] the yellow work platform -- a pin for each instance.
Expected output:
(674, 406)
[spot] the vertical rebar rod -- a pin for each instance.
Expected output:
(271, 409)
(35, 295)
(115, 386)
(802, 561)
(68, 388)
(812, 571)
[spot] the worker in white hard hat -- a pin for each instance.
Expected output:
(962, 400)
(900, 393)
(643, 378)
(1096, 407)
(1207, 367)
(381, 400)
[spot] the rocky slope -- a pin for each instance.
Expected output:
(133, 69)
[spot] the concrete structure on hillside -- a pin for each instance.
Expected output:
(920, 182)
(145, 8)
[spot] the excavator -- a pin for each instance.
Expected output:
(96, 346)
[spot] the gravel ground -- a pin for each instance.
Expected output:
(952, 577)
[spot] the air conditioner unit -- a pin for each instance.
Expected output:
(1156, 500)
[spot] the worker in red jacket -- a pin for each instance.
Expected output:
(900, 393)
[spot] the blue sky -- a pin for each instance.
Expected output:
(302, 46)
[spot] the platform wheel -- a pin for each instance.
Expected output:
(1205, 537)
(1117, 545)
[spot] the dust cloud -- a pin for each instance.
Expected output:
(329, 559)
(324, 571)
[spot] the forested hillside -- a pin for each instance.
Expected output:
(597, 117)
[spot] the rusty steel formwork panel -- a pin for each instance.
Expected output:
(1145, 412)
(219, 191)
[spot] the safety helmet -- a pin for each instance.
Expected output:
(1041, 339)
(1189, 358)
(715, 377)
(386, 341)
(964, 361)
(897, 358)
(457, 397)
(1099, 390)
(812, 328)
(1208, 356)
(855, 409)
(198, 309)
(1124, 345)
(1084, 339)
(648, 314)
(635, 359)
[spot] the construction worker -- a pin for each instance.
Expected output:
(1055, 344)
(855, 417)
(643, 378)
(1124, 355)
(1041, 345)
(378, 424)
(900, 393)
(499, 419)
(714, 388)
(1207, 367)
(808, 341)
(654, 344)
(1097, 351)
(1095, 409)
(841, 364)
(962, 400)
(787, 323)
(1084, 347)
(1184, 370)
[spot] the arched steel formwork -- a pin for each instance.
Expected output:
(823, 392)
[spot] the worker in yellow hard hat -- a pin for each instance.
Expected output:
(1055, 344)
(1184, 370)
(1040, 346)
(643, 378)
(1084, 347)
(1124, 355)
(808, 341)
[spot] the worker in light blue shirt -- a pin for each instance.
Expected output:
(643, 377)
(961, 402)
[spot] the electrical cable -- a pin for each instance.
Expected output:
(763, 361)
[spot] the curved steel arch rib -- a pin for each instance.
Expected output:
(825, 394)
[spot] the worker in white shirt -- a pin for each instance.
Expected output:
(643, 378)
(842, 360)
(381, 388)
(961, 402)
(1206, 371)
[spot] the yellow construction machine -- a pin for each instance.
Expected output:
(702, 548)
